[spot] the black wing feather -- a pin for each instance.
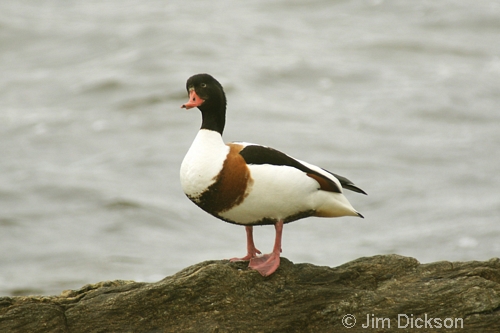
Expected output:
(346, 183)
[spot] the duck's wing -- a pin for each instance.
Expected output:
(256, 154)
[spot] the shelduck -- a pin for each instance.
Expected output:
(250, 184)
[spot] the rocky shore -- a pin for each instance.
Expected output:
(386, 293)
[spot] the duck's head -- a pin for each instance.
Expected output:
(207, 95)
(204, 91)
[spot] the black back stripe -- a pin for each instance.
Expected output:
(254, 154)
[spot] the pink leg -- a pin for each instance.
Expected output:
(269, 263)
(251, 249)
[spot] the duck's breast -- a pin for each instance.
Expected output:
(202, 163)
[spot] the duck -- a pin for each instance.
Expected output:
(249, 184)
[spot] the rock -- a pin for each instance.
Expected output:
(219, 296)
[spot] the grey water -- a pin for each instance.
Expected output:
(401, 97)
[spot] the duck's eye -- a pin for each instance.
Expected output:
(203, 85)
